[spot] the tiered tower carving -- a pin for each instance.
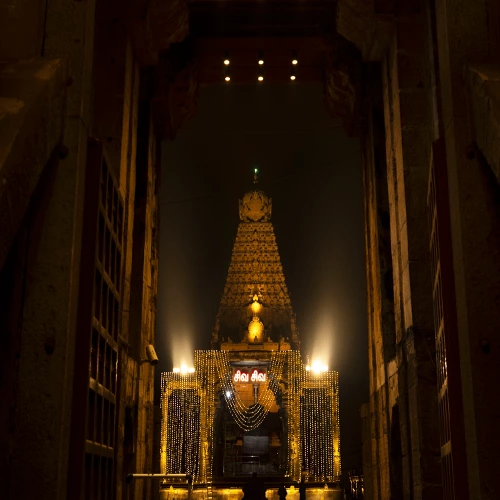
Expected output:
(255, 292)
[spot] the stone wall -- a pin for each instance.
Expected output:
(420, 71)
(431, 89)
(62, 80)
(49, 133)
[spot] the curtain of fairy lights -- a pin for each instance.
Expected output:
(183, 431)
(295, 374)
(205, 373)
(181, 424)
(312, 414)
(317, 427)
(250, 417)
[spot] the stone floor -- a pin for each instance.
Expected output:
(236, 494)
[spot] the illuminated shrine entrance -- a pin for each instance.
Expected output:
(250, 404)
(241, 450)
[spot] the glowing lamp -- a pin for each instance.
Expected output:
(318, 367)
(228, 394)
(255, 304)
(227, 62)
(184, 369)
(228, 78)
(294, 62)
(260, 78)
(255, 329)
(261, 61)
(292, 77)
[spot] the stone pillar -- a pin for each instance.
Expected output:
(48, 318)
(379, 283)
(467, 34)
(144, 282)
(407, 70)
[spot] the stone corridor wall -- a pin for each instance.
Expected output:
(68, 72)
(431, 69)
(422, 72)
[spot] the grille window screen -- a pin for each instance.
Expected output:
(101, 417)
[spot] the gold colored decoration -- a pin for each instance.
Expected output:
(255, 329)
(256, 307)
(255, 207)
(255, 272)
(249, 418)
(255, 264)
(311, 401)
(255, 301)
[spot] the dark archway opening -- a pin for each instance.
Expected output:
(312, 170)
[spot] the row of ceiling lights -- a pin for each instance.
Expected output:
(260, 62)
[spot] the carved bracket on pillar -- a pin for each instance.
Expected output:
(368, 24)
(175, 94)
(155, 25)
(342, 85)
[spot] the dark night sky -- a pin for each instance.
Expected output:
(311, 169)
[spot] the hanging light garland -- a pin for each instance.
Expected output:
(320, 426)
(181, 422)
(188, 406)
(250, 417)
(295, 384)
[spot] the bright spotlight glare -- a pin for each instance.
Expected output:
(184, 369)
(228, 78)
(318, 367)
(308, 368)
(227, 62)
(228, 394)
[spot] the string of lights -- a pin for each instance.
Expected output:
(181, 421)
(260, 65)
(320, 425)
(310, 397)
(250, 417)
(295, 370)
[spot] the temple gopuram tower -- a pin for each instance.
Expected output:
(251, 404)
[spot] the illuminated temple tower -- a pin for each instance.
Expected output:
(251, 405)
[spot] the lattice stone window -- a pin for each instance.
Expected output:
(101, 417)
